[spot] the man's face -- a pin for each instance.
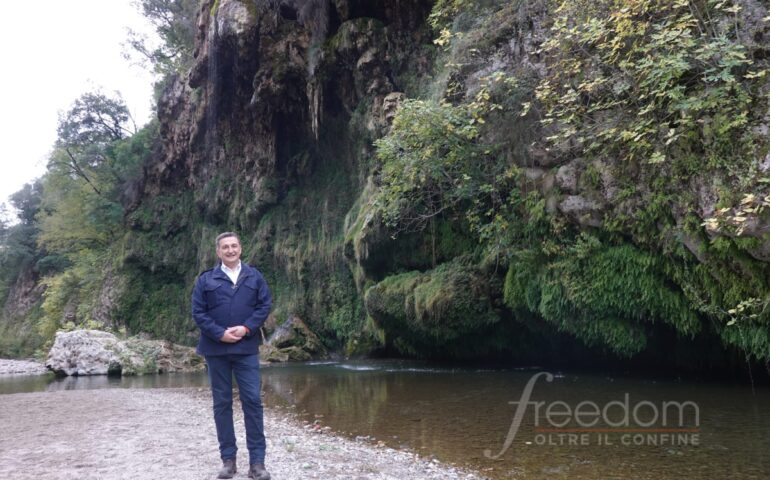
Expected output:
(229, 251)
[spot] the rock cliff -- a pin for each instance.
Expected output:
(272, 132)
(543, 181)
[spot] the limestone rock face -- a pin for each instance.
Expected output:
(93, 352)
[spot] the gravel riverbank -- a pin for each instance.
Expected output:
(21, 367)
(135, 434)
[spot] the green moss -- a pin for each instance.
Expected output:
(433, 312)
(157, 304)
(602, 294)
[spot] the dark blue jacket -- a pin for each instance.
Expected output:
(217, 304)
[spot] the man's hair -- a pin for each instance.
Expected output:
(226, 235)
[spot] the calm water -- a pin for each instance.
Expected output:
(625, 428)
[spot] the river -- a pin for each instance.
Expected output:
(576, 426)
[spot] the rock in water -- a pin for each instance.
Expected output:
(292, 341)
(84, 352)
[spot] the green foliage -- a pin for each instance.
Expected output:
(18, 250)
(128, 156)
(92, 165)
(298, 245)
(174, 22)
(73, 217)
(156, 304)
(602, 294)
(661, 91)
(444, 12)
(94, 120)
(18, 258)
(664, 88)
(668, 91)
(27, 202)
(667, 74)
(160, 237)
(731, 290)
(19, 336)
(436, 164)
(426, 161)
(71, 297)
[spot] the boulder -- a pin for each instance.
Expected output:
(84, 352)
(292, 341)
(139, 356)
(94, 352)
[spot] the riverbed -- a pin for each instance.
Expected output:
(144, 434)
(576, 426)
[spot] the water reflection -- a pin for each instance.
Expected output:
(456, 414)
(51, 383)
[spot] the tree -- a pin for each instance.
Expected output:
(86, 132)
(18, 241)
(27, 201)
(174, 21)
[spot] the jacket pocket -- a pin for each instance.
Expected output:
(213, 294)
(250, 289)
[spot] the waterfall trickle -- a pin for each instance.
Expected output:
(315, 100)
(313, 15)
(212, 85)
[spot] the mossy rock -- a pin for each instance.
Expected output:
(432, 312)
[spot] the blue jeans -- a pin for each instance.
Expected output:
(246, 370)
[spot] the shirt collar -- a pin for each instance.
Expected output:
(231, 271)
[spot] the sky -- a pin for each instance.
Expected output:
(51, 52)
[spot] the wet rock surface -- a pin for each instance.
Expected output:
(115, 434)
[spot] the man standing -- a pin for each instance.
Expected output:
(229, 304)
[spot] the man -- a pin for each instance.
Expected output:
(229, 304)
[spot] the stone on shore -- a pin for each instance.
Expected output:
(94, 352)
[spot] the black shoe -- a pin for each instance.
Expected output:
(257, 472)
(228, 468)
